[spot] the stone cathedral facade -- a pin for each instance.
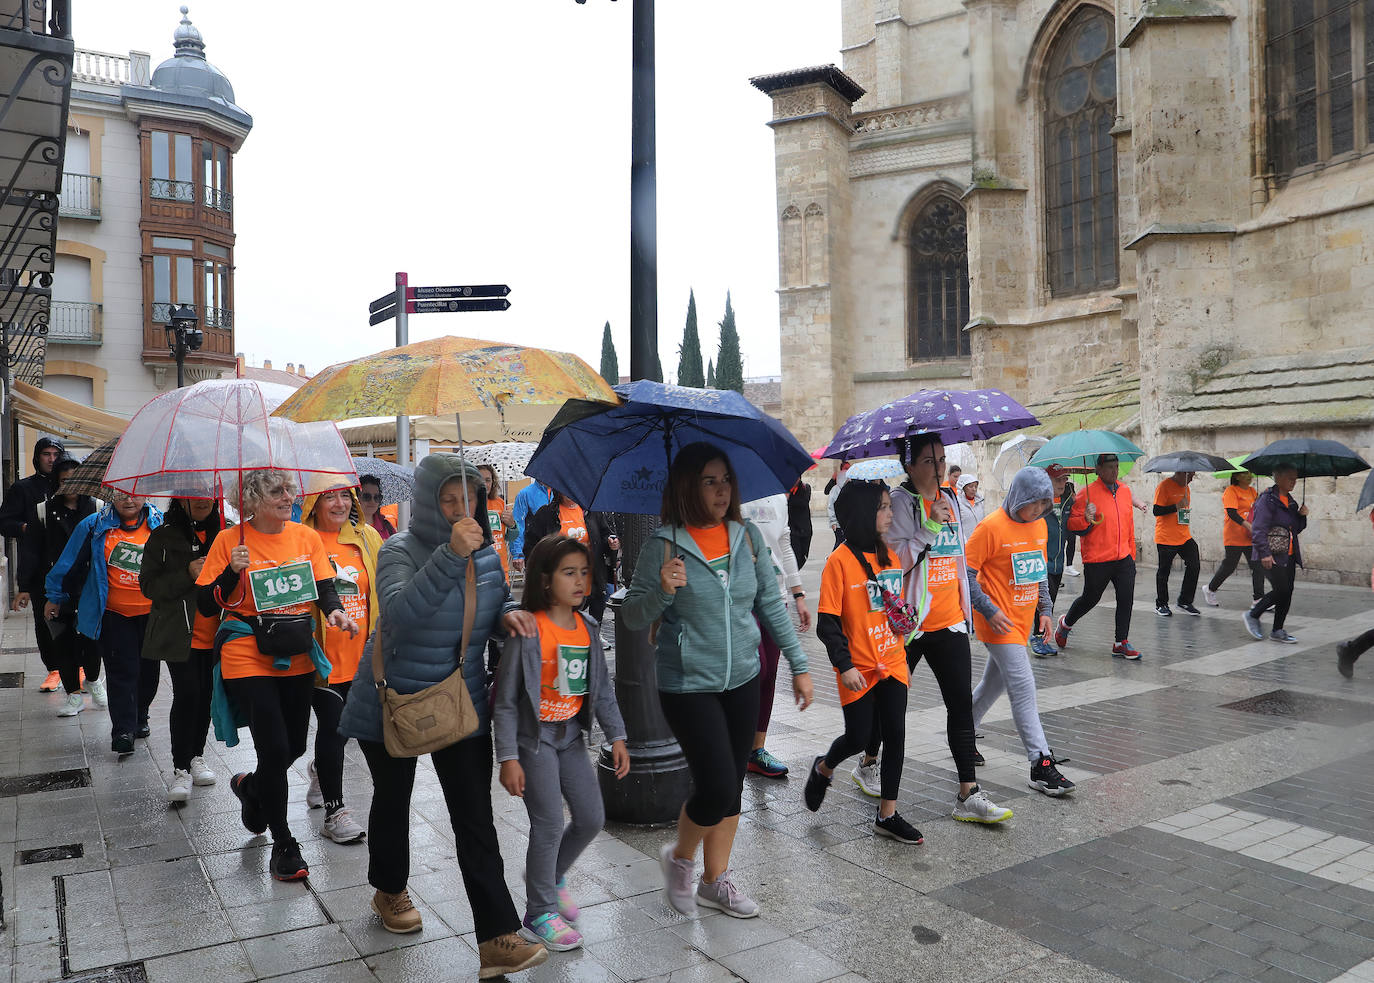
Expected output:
(1153, 216)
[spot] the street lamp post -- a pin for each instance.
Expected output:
(183, 335)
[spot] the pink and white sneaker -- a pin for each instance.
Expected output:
(553, 931)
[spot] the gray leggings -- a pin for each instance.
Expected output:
(1009, 671)
(560, 771)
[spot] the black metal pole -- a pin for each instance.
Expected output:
(643, 198)
(179, 347)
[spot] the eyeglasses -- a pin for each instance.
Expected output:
(369, 497)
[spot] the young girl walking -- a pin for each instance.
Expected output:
(547, 689)
(869, 660)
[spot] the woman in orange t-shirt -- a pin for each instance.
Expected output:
(564, 517)
(869, 661)
(1236, 502)
(275, 577)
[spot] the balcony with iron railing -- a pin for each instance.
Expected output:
(171, 190)
(74, 322)
(210, 317)
(80, 196)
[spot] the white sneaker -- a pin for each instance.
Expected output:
(341, 828)
(1210, 596)
(179, 788)
(314, 798)
(1071, 572)
(200, 772)
(866, 777)
(978, 808)
(72, 705)
(96, 687)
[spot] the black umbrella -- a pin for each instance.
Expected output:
(1313, 458)
(1187, 461)
(1366, 493)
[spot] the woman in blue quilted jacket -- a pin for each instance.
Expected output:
(422, 592)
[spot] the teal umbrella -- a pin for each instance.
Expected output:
(1080, 449)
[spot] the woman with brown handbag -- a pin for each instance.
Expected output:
(436, 579)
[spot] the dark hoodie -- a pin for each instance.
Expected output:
(45, 538)
(1027, 485)
(166, 580)
(20, 505)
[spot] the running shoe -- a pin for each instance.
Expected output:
(1042, 648)
(51, 684)
(978, 808)
(1189, 609)
(678, 875)
(397, 912)
(978, 760)
(1072, 572)
(762, 762)
(1252, 625)
(724, 896)
(1045, 777)
(341, 827)
(816, 785)
(894, 827)
(179, 788)
(72, 705)
(552, 930)
(1061, 634)
(122, 743)
(1279, 635)
(867, 778)
(567, 907)
(1163, 611)
(250, 814)
(98, 695)
(1345, 660)
(1210, 596)
(314, 798)
(1123, 650)
(200, 772)
(287, 863)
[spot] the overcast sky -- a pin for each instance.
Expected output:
(481, 141)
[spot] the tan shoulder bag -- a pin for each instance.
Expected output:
(437, 716)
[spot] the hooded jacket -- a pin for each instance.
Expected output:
(911, 540)
(1269, 511)
(166, 580)
(369, 542)
(20, 503)
(45, 538)
(1057, 525)
(1028, 485)
(707, 638)
(970, 513)
(1112, 537)
(81, 567)
(421, 587)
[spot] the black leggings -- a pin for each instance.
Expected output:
(278, 712)
(1280, 595)
(1096, 576)
(1228, 567)
(947, 653)
(75, 652)
(189, 720)
(1191, 566)
(881, 710)
(328, 702)
(716, 732)
(1360, 644)
(1070, 544)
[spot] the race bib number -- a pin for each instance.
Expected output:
(1184, 515)
(1028, 567)
(494, 521)
(889, 580)
(947, 544)
(572, 670)
(345, 579)
(127, 557)
(283, 586)
(721, 566)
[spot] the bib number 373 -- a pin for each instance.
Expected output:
(1028, 567)
(283, 586)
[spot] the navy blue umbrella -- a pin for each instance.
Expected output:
(615, 458)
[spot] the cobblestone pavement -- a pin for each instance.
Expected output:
(1222, 830)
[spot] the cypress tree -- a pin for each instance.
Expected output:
(689, 352)
(711, 375)
(658, 367)
(729, 364)
(610, 364)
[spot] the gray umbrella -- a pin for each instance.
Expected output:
(1366, 493)
(398, 482)
(1187, 461)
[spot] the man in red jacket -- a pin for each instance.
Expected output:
(1102, 518)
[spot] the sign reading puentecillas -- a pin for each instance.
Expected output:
(406, 300)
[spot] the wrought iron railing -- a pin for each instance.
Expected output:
(171, 190)
(210, 317)
(220, 200)
(75, 322)
(80, 196)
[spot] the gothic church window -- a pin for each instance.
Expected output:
(937, 281)
(1080, 158)
(1318, 56)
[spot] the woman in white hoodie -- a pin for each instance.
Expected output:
(971, 508)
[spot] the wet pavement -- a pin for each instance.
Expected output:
(1222, 830)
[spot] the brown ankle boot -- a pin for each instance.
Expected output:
(509, 953)
(396, 912)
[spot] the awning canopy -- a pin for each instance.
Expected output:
(53, 414)
(516, 422)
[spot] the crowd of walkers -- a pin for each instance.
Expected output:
(317, 606)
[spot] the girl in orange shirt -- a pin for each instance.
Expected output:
(1236, 503)
(869, 661)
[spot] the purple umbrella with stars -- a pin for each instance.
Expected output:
(955, 414)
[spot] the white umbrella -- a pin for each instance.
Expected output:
(509, 458)
(875, 469)
(1015, 455)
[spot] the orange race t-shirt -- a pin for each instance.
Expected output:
(282, 570)
(572, 521)
(495, 507)
(350, 580)
(1010, 559)
(942, 575)
(847, 593)
(203, 627)
(1242, 500)
(1173, 529)
(123, 561)
(565, 652)
(714, 544)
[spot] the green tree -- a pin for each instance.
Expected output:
(729, 364)
(610, 364)
(689, 352)
(711, 375)
(658, 367)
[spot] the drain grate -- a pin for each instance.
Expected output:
(11, 680)
(123, 973)
(45, 781)
(47, 854)
(1305, 706)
